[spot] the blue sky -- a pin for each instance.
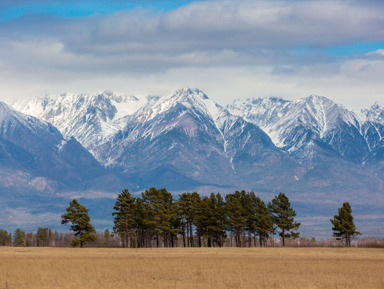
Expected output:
(72, 9)
(228, 48)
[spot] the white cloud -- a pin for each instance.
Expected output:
(23, 218)
(87, 195)
(230, 49)
(379, 52)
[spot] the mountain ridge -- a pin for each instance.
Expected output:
(184, 141)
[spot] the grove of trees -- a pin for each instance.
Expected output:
(5, 238)
(157, 219)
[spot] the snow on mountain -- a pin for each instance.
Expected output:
(10, 118)
(38, 151)
(91, 119)
(153, 119)
(19, 128)
(293, 124)
(191, 99)
(186, 135)
(260, 111)
(374, 114)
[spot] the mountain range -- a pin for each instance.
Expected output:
(313, 149)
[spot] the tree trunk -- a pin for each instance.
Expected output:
(184, 241)
(191, 234)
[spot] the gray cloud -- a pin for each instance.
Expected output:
(215, 25)
(229, 48)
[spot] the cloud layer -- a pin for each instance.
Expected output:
(230, 49)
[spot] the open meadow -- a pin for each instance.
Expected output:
(191, 268)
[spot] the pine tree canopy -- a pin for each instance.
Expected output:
(343, 225)
(77, 216)
(19, 238)
(124, 222)
(283, 217)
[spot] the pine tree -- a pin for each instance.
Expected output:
(237, 216)
(107, 237)
(343, 225)
(43, 236)
(283, 217)
(5, 238)
(218, 219)
(161, 215)
(143, 236)
(195, 211)
(211, 218)
(77, 215)
(124, 216)
(250, 202)
(203, 220)
(19, 238)
(263, 222)
(29, 239)
(187, 217)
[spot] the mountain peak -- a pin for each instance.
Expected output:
(375, 113)
(260, 111)
(188, 93)
(317, 99)
(3, 107)
(190, 98)
(7, 113)
(190, 101)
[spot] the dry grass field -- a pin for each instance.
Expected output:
(191, 268)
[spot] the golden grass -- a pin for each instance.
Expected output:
(191, 268)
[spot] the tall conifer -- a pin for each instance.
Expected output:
(124, 222)
(343, 225)
(283, 217)
(77, 216)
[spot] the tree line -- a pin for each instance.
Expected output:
(157, 219)
(46, 237)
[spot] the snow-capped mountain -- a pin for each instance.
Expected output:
(197, 134)
(260, 111)
(295, 125)
(91, 119)
(185, 134)
(375, 114)
(35, 156)
(313, 149)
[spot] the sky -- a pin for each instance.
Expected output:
(229, 49)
